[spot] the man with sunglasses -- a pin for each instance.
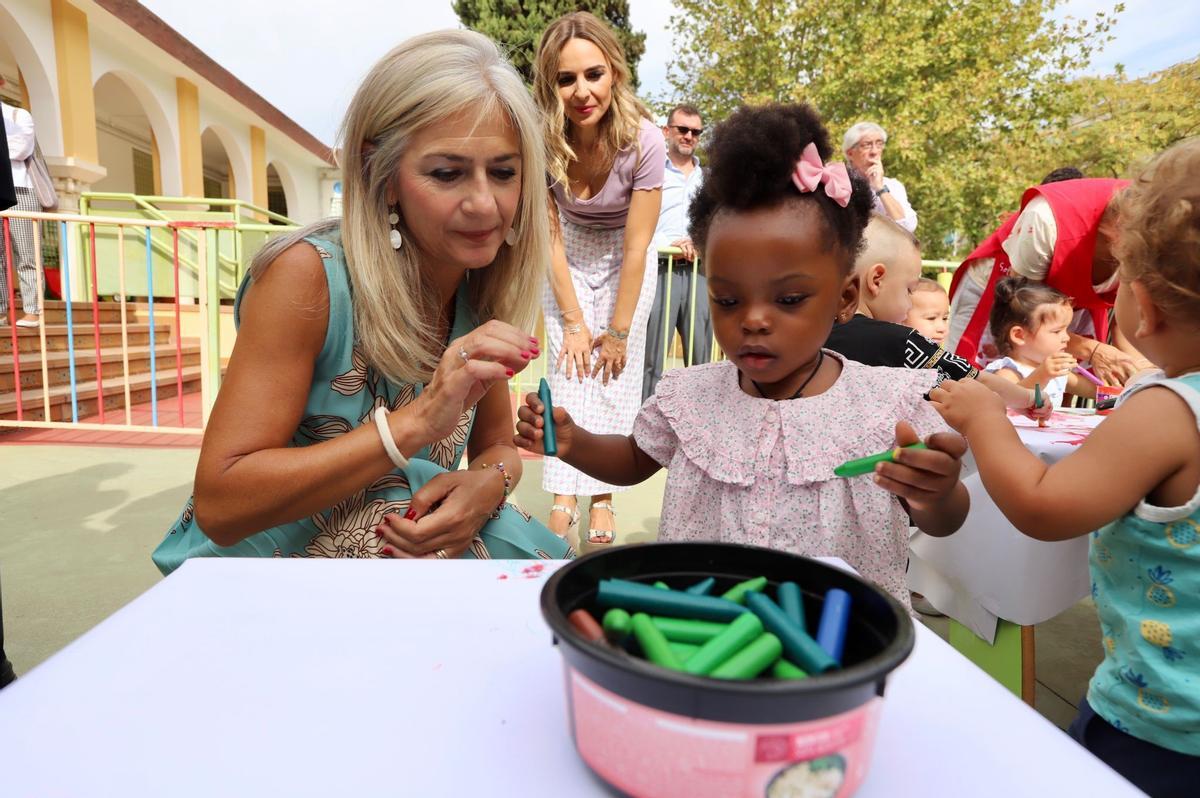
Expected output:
(863, 145)
(688, 286)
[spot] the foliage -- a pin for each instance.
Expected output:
(974, 94)
(518, 24)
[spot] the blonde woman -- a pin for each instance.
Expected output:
(605, 165)
(373, 349)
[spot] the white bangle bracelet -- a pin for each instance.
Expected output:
(385, 435)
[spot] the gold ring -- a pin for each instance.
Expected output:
(441, 554)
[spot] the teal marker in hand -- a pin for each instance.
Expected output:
(1038, 401)
(549, 444)
(865, 465)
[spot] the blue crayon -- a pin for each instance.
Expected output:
(799, 647)
(702, 588)
(549, 444)
(636, 597)
(792, 603)
(835, 617)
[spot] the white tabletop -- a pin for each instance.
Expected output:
(988, 569)
(365, 678)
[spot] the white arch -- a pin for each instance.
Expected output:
(288, 182)
(239, 160)
(40, 83)
(164, 132)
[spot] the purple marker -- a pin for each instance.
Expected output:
(1089, 376)
(835, 617)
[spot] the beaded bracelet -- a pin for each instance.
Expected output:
(507, 487)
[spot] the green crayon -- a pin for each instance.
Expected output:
(617, 625)
(738, 592)
(786, 670)
(680, 630)
(662, 585)
(549, 444)
(739, 634)
(866, 465)
(654, 646)
(751, 660)
(683, 650)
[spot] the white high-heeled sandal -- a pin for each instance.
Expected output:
(596, 537)
(570, 512)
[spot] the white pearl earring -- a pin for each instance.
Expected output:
(394, 236)
(510, 237)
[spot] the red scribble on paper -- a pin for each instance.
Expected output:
(502, 576)
(533, 571)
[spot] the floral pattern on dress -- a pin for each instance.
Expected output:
(348, 529)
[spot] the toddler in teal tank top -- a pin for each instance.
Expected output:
(1135, 481)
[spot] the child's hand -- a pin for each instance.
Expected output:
(1057, 365)
(962, 402)
(530, 426)
(923, 477)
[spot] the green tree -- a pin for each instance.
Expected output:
(518, 24)
(968, 90)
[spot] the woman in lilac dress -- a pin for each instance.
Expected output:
(605, 161)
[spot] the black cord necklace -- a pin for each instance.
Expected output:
(796, 395)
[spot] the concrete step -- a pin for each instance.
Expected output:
(88, 396)
(110, 312)
(28, 340)
(58, 365)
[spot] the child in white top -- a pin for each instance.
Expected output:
(751, 443)
(1029, 324)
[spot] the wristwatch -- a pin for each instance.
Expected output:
(882, 191)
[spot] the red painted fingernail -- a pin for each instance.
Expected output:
(378, 532)
(536, 351)
(387, 551)
(532, 339)
(509, 372)
(526, 355)
(411, 515)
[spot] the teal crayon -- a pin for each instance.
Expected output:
(637, 597)
(801, 649)
(549, 443)
(702, 588)
(866, 465)
(752, 660)
(1038, 401)
(792, 603)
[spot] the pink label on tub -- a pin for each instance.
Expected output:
(648, 753)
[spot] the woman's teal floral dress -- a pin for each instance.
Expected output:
(344, 394)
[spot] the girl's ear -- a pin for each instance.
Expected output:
(1150, 318)
(848, 304)
(1018, 335)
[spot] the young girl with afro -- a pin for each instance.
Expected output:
(750, 443)
(1136, 481)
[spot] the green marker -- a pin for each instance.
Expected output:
(617, 625)
(680, 630)
(1038, 401)
(549, 444)
(743, 631)
(683, 650)
(738, 592)
(786, 670)
(751, 660)
(654, 646)
(866, 465)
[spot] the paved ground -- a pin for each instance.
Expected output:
(77, 524)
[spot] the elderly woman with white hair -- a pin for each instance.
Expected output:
(863, 145)
(374, 351)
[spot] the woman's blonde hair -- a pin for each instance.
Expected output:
(619, 127)
(420, 83)
(1158, 238)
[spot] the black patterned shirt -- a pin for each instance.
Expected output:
(882, 343)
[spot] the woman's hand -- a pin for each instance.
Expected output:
(1112, 365)
(576, 349)
(470, 366)
(610, 361)
(445, 514)
(530, 426)
(1053, 367)
(924, 477)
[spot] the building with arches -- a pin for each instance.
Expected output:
(123, 103)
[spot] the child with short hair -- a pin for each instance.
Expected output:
(1136, 480)
(930, 311)
(1029, 324)
(750, 444)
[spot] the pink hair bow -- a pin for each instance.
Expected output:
(810, 172)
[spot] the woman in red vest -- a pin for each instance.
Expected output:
(1062, 237)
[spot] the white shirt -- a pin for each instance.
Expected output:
(677, 192)
(1053, 390)
(18, 124)
(896, 189)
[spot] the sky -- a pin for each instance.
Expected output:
(308, 59)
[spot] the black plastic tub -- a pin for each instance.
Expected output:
(648, 731)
